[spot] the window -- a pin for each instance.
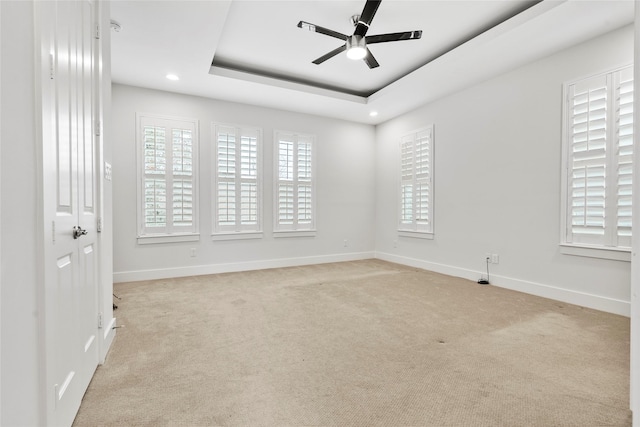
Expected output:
(237, 187)
(416, 184)
(295, 182)
(597, 155)
(167, 208)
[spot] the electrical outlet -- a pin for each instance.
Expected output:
(192, 252)
(488, 257)
(495, 259)
(395, 243)
(346, 243)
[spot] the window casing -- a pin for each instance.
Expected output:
(597, 161)
(416, 184)
(294, 182)
(237, 181)
(167, 190)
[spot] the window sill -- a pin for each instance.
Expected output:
(237, 235)
(295, 233)
(615, 254)
(168, 238)
(415, 234)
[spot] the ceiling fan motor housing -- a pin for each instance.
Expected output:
(356, 47)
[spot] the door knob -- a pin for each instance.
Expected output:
(78, 231)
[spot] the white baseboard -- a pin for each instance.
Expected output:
(596, 302)
(199, 270)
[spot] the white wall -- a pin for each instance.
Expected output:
(497, 182)
(345, 190)
(20, 366)
(0, 215)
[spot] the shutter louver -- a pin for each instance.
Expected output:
(182, 202)
(423, 178)
(285, 156)
(155, 184)
(304, 183)
(407, 204)
(183, 186)
(285, 204)
(248, 180)
(226, 167)
(155, 199)
(624, 138)
(226, 203)
(406, 176)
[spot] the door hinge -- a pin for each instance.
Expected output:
(53, 232)
(99, 225)
(99, 320)
(98, 127)
(51, 66)
(98, 31)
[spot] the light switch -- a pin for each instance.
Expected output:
(107, 171)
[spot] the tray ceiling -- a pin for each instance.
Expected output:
(253, 52)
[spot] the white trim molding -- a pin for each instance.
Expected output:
(634, 390)
(615, 254)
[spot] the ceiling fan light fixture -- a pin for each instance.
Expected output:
(356, 48)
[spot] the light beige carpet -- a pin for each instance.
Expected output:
(364, 343)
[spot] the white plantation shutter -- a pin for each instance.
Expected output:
(599, 148)
(406, 182)
(182, 197)
(416, 181)
(588, 140)
(294, 182)
(624, 140)
(168, 151)
(155, 182)
(237, 151)
(305, 214)
(225, 168)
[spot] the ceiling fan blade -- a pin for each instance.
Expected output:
(330, 55)
(393, 37)
(370, 60)
(318, 29)
(369, 11)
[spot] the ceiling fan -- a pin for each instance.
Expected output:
(356, 44)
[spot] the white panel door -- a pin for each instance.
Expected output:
(69, 194)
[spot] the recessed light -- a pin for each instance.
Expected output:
(173, 77)
(373, 113)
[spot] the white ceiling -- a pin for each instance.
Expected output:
(261, 57)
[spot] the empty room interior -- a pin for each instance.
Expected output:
(391, 212)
